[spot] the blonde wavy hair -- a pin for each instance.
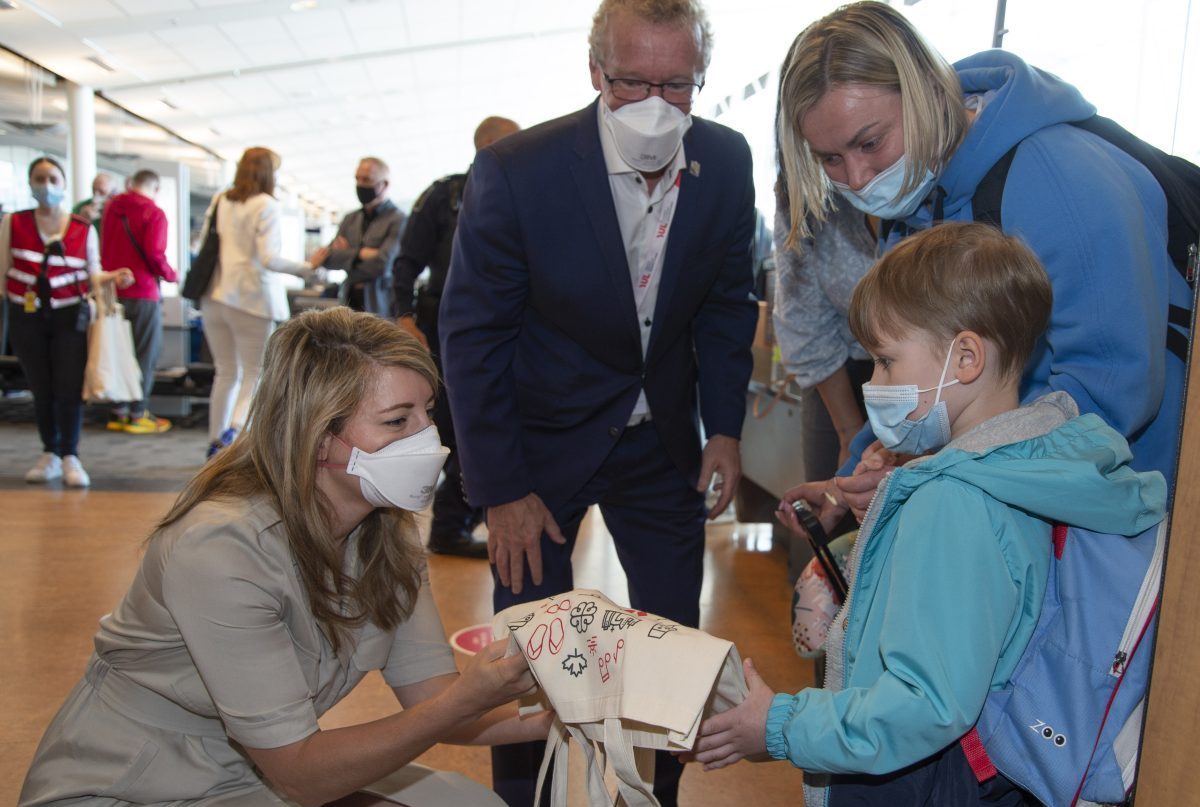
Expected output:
(318, 367)
(871, 44)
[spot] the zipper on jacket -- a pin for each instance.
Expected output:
(843, 614)
(1143, 606)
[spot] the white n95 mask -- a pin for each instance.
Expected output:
(402, 474)
(647, 133)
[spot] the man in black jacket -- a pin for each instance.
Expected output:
(427, 242)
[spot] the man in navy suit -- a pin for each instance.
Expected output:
(597, 309)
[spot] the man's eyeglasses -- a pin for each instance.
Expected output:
(632, 89)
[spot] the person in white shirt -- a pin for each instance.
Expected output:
(245, 298)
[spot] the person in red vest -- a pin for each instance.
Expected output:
(134, 235)
(49, 257)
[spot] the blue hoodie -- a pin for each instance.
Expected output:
(947, 580)
(1097, 220)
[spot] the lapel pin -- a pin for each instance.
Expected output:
(694, 168)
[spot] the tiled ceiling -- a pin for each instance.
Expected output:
(326, 82)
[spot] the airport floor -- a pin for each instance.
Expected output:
(66, 557)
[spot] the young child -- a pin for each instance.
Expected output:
(949, 570)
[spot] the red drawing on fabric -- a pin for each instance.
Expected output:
(533, 648)
(610, 658)
(549, 635)
(557, 606)
(591, 645)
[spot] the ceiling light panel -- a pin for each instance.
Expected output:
(73, 11)
(252, 91)
(379, 27)
(250, 32)
(203, 48)
(139, 7)
(390, 72)
(297, 80)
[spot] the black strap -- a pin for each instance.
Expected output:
(43, 278)
(136, 245)
(1177, 342)
(1178, 178)
(986, 205)
(212, 219)
(819, 541)
(989, 193)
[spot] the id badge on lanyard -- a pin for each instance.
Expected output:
(655, 242)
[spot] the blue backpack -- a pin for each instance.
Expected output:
(1067, 727)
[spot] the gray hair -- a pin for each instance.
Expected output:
(687, 14)
(380, 166)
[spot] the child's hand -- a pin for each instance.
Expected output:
(822, 499)
(739, 732)
(858, 489)
(875, 458)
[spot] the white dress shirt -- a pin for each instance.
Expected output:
(638, 214)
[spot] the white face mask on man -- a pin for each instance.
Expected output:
(402, 474)
(647, 133)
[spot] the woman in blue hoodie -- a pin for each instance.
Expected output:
(871, 113)
(949, 571)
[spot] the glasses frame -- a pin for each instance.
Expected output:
(650, 85)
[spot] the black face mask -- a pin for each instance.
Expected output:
(367, 194)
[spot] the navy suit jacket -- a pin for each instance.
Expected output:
(539, 334)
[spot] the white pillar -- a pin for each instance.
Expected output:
(82, 140)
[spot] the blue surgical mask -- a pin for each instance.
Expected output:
(881, 196)
(48, 195)
(888, 407)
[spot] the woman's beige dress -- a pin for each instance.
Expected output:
(213, 648)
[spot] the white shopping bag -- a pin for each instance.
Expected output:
(112, 372)
(618, 680)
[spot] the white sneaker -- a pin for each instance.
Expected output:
(48, 467)
(73, 473)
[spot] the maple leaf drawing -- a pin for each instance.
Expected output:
(575, 664)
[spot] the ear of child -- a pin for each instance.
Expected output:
(971, 357)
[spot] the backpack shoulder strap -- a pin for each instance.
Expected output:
(1179, 179)
(989, 193)
(977, 756)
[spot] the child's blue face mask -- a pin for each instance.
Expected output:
(888, 406)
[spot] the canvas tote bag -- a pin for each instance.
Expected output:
(112, 372)
(623, 683)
